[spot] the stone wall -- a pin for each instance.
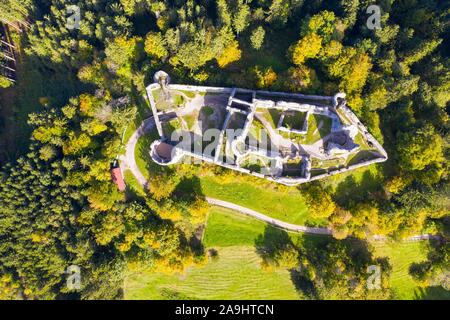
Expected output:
(328, 110)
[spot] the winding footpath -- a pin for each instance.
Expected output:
(272, 221)
(128, 162)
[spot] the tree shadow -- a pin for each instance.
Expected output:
(304, 285)
(432, 293)
(271, 241)
(319, 274)
(143, 152)
(189, 189)
(350, 190)
(40, 83)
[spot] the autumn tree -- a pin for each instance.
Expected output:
(155, 45)
(264, 78)
(308, 47)
(162, 184)
(319, 202)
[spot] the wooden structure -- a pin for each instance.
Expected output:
(7, 55)
(117, 178)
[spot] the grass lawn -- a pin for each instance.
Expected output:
(401, 256)
(271, 115)
(171, 126)
(360, 156)
(258, 136)
(162, 104)
(189, 94)
(295, 120)
(236, 274)
(227, 228)
(285, 204)
(191, 119)
(133, 185)
(313, 134)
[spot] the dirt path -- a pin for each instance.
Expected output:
(128, 162)
(272, 221)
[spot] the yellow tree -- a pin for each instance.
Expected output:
(319, 202)
(264, 78)
(155, 45)
(308, 47)
(230, 54)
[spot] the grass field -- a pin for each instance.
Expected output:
(401, 256)
(226, 228)
(237, 274)
(286, 205)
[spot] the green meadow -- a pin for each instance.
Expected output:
(237, 274)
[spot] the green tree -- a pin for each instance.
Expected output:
(257, 37)
(420, 148)
(241, 17)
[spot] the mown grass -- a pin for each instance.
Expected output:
(401, 256)
(235, 274)
(286, 204)
(227, 228)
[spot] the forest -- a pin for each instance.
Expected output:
(81, 86)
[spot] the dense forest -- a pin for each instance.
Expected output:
(78, 88)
